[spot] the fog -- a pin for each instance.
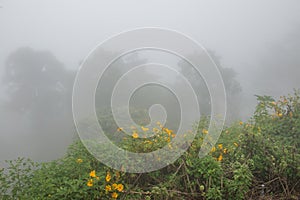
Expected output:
(256, 45)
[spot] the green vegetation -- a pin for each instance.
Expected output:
(255, 159)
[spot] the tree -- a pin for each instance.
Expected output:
(39, 86)
(232, 86)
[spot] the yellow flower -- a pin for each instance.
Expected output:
(204, 131)
(220, 146)
(135, 135)
(114, 195)
(273, 103)
(168, 131)
(225, 150)
(213, 149)
(120, 187)
(79, 160)
(235, 144)
(145, 129)
(279, 114)
(107, 188)
(241, 123)
(114, 186)
(108, 177)
(120, 129)
(220, 157)
(93, 174)
(158, 123)
(90, 183)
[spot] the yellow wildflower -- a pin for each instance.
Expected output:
(114, 186)
(220, 146)
(273, 103)
(120, 187)
(225, 150)
(108, 177)
(213, 149)
(114, 195)
(226, 131)
(90, 183)
(220, 157)
(280, 114)
(235, 144)
(167, 131)
(120, 129)
(204, 131)
(135, 135)
(145, 129)
(107, 188)
(79, 160)
(241, 123)
(93, 174)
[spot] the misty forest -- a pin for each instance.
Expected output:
(43, 48)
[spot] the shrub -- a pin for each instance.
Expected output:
(262, 151)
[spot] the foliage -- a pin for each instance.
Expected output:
(262, 151)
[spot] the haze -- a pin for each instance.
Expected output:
(259, 40)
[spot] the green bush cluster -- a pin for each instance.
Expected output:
(255, 159)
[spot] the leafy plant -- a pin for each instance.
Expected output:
(262, 151)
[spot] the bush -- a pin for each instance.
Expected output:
(262, 151)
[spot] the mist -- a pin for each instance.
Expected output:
(255, 44)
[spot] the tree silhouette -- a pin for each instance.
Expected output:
(232, 86)
(39, 86)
